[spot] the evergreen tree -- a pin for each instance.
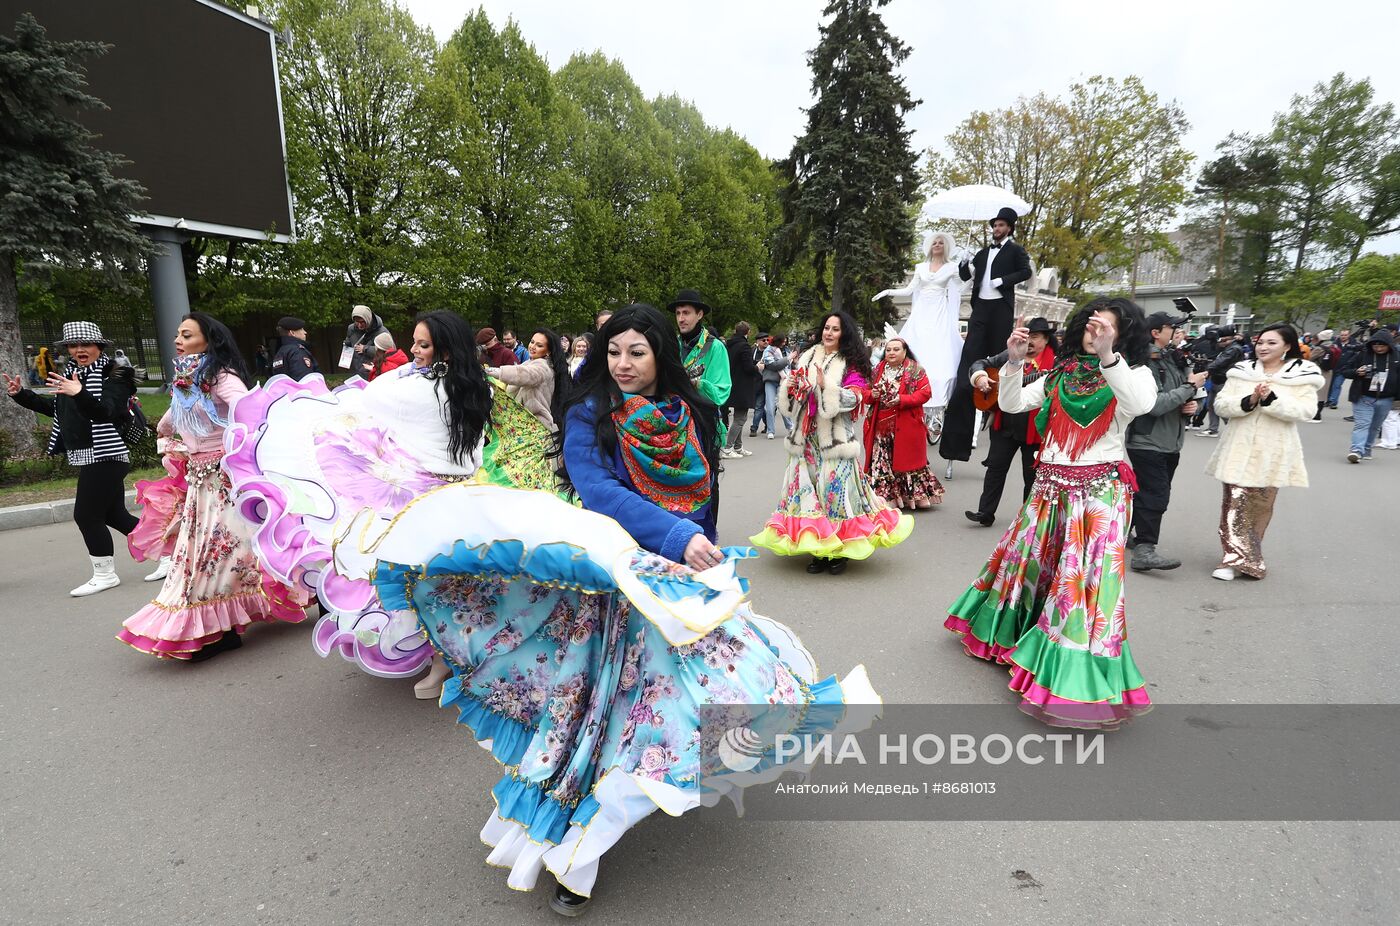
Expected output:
(60, 196)
(856, 171)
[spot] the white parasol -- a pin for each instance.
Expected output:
(974, 201)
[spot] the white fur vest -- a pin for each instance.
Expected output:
(834, 428)
(1260, 448)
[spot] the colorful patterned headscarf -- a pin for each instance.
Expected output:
(661, 451)
(1078, 407)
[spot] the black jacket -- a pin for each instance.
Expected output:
(354, 336)
(77, 414)
(1374, 363)
(743, 372)
(1011, 264)
(294, 359)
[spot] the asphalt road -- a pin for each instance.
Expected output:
(271, 786)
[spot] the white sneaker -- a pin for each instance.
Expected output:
(104, 576)
(727, 454)
(162, 570)
(1224, 573)
(770, 435)
(745, 452)
(1353, 457)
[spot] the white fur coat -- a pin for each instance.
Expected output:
(1260, 448)
(836, 431)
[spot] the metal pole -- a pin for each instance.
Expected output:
(166, 270)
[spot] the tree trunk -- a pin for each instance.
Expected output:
(16, 423)
(1220, 252)
(838, 281)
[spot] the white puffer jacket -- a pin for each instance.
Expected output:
(1261, 448)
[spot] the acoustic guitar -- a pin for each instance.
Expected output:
(987, 401)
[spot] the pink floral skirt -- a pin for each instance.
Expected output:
(215, 584)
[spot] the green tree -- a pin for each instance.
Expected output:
(1238, 195)
(1337, 153)
(1104, 170)
(61, 197)
(499, 213)
(1357, 293)
(625, 214)
(362, 148)
(857, 175)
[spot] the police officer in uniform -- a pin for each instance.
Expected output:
(293, 357)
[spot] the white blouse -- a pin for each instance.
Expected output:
(1134, 387)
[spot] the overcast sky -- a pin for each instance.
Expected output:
(1230, 64)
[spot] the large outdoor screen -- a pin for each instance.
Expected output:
(192, 87)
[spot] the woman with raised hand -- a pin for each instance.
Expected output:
(1050, 603)
(828, 509)
(214, 587)
(540, 382)
(89, 407)
(1259, 452)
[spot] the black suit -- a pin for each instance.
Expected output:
(1005, 443)
(987, 331)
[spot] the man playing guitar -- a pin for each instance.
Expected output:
(1009, 433)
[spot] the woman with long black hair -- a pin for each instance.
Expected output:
(88, 406)
(567, 671)
(541, 382)
(1050, 602)
(214, 587)
(320, 471)
(828, 508)
(640, 442)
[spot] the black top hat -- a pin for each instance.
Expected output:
(1040, 324)
(1007, 215)
(688, 297)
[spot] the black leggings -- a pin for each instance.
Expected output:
(101, 503)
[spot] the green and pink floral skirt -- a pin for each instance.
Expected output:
(1050, 602)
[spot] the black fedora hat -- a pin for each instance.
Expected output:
(1006, 214)
(1040, 324)
(689, 297)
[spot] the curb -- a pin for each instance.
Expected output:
(44, 513)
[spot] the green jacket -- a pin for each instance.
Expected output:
(708, 366)
(1163, 429)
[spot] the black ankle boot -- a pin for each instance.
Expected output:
(566, 903)
(230, 640)
(837, 565)
(816, 566)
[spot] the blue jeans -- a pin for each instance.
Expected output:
(1334, 391)
(760, 411)
(1369, 413)
(770, 407)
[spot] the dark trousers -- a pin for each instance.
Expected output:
(1154, 471)
(1002, 450)
(101, 504)
(987, 331)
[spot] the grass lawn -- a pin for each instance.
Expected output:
(16, 489)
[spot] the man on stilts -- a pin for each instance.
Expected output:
(995, 270)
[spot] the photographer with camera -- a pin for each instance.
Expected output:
(1156, 437)
(1225, 352)
(1375, 376)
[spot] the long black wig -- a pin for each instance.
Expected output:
(1134, 338)
(595, 382)
(461, 380)
(220, 351)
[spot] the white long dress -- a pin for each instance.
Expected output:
(931, 329)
